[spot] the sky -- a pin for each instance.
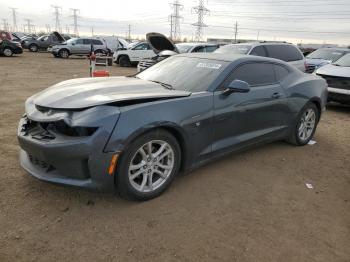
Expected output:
(297, 21)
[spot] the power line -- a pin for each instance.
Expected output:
(75, 20)
(14, 19)
(57, 14)
(201, 10)
(175, 33)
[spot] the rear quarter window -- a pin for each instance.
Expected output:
(96, 42)
(287, 53)
(281, 72)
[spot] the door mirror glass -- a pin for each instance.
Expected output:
(237, 86)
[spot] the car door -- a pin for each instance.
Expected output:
(86, 47)
(77, 46)
(242, 119)
(141, 51)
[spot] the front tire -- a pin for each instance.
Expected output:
(63, 53)
(33, 48)
(148, 166)
(7, 52)
(124, 61)
(306, 125)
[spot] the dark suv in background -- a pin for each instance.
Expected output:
(43, 42)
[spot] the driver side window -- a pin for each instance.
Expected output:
(255, 74)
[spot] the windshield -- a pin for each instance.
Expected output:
(184, 48)
(234, 49)
(184, 73)
(331, 55)
(344, 61)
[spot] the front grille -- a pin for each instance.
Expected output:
(40, 163)
(337, 82)
(146, 63)
(310, 68)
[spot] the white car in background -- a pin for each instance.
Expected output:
(133, 55)
(337, 76)
(278, 50)
(163, 47)
(324, 56)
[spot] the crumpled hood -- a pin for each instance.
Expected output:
(332, 70)
(87, 92)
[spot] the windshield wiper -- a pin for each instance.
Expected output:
(167, 86)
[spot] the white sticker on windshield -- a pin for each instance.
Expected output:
(209, 65)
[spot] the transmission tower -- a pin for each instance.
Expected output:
(29, 25)
(48, 28)
(75, 20)
(14, 19)
(175, 32)
(201, 10)
(5, 25)
(57, 13)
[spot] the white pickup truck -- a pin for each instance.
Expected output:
(133, 55)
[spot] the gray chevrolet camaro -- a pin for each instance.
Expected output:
(137, 133)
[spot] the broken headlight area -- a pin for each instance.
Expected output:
(50, 130)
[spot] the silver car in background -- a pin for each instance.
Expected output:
(324, 56)
(278, 50)
(80, 47)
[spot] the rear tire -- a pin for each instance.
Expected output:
(33, 48)
(142, 175)
(305, 126)
(124, 61)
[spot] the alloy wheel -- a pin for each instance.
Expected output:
(307, 124)
(151, 166)
(7, 52)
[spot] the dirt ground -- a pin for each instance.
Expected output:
(252, 206)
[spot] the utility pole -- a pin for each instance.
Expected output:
(257, 37)
(14, 19)
(201, 10)
(29, 25)
(57, 14)
(75, 20)
(175, 32)
(129, 32)
(92, 31)
(236, 32)
(67, 29)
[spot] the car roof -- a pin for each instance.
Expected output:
(344, 49)
(227, 57)
(196, 44)
(263, 43)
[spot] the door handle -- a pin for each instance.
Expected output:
(276, 95)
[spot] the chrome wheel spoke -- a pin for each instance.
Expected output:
(144, 181)
(161, 174)
(137, 166)
(160, 150)
(166, 167)
(135, 175)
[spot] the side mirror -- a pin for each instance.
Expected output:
(237, 86)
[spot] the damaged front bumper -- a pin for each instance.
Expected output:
(67, 147)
